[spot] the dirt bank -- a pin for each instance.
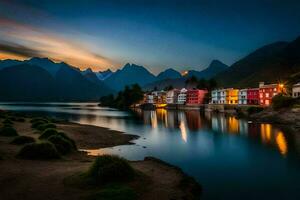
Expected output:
(29, 179)
(286, 118)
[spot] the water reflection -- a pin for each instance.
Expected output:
(191, 121)
(220, 151)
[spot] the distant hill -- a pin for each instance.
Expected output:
(168, 74)
(213, 69)
(50, 81)
(45, 63)
(26, 83)
(8, 63)
(271, 63)
(178, 81)
(129, 75)
(102, 75)
(90, 75)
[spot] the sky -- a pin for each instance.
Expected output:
(160, 34)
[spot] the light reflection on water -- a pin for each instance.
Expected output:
(232, 158)
(189, 121)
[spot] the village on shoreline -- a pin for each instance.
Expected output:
(217, 98)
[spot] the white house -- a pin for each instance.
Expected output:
(172, 96)
(150, 98)
(243, 96)
(222, 93)
(218, 96)
(296, 90)
(214, 97)
(182, 96)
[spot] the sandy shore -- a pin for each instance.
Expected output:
(28, 179)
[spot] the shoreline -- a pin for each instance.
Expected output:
(36, 179)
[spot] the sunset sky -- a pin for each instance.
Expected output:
(156, 34)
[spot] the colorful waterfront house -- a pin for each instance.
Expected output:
(159, 97)
(243, 96)
(253, 96)
(216, 96)
(296, 90)
(172, 96)
(231, 96)
(267, 92)
(150, 98)
(195, 96)
(182, 96)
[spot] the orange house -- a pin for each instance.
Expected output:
(232, 96)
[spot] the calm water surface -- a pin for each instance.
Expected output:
(231, 158)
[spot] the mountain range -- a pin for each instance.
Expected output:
(271, 63)
(41, 79)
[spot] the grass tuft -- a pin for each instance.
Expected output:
(7, 121)
(8, 131)
(114, 193)
(62, 145)
(43, 127)
(22, 140)
(108, 168)
(48, 133)
(38, 151)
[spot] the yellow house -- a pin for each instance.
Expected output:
(232, 96)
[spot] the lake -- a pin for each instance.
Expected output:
(232, 158)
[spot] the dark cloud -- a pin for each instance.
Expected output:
(19, 50)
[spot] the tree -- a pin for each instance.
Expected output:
(124, 99)
(170, 87)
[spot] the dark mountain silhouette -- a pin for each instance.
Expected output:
(72, 84)
(213, 69)
(271, 63)
(168, 74)
(8, 63)
(46, 64)
(90, 75)
(128, 75)
(161, 84)
(65, 83)
(26, 83)
(102, 75)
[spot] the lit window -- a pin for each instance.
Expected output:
(267, 102)
(267, 95)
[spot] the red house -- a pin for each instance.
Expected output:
(267, 92)
(253, 96)
(195, 96)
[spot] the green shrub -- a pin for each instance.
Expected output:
(62, 134)
(109, 168)
(43, 127)
(62, 145)
(114, 193)
(252, 110)
(282, 101)
(7, 121)
(8, 131)
(48, 133)
(19, 119)
(22, 140)
(36, 119)
(35, 124)
(38, 151)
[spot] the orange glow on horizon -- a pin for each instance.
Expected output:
(43, 43)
